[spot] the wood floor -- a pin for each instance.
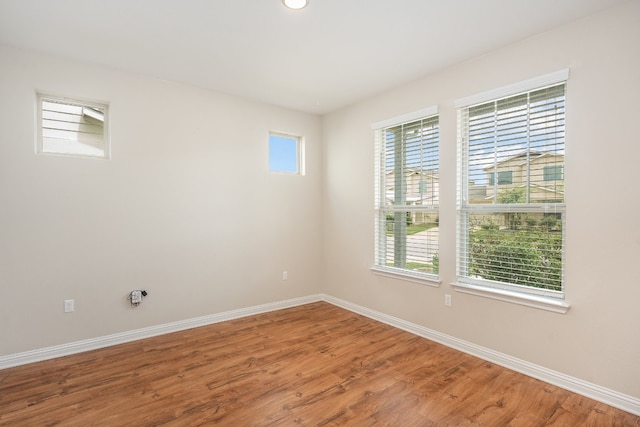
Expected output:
(312, 365)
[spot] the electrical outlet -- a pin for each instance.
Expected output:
(447, 300)
(136, 297)
(285, 275)
(69, 305)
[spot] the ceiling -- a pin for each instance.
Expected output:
(318, 59)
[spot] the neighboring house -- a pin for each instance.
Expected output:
(545, 173)
(422, 187)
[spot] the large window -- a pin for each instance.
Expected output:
(407, 195)
(72, 127)
(510, 229)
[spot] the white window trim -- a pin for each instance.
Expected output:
(407, 275)
(300, 154)
(536, 301)
(514, 89)
(409, 117)
(43, 96)
(557, 304)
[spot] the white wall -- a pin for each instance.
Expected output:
(186, 207)
(598, 340)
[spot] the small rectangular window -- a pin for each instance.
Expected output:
(72, 127)
(553, 173)
(504, 177)
(285, 153)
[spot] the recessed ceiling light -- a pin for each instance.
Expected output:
(295, 4)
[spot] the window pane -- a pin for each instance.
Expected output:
(517, 138)
(516, 248)
(410, 241)
(553, 173)
(284, 153)
(407, 189)
(411, 163)
(72, 128)
(512, 192)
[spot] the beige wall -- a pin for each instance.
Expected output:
(186, 207)
(187, 210)
(598, 340)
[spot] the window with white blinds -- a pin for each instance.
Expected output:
(511, 199)
(407, 196)
(72, 127)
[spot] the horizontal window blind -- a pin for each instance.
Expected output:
(511, 191)
(74, 128)
(407, 196)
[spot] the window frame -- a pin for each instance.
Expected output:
(381, 209)
(88, 109)
(504, 178)
(299, 154)
(520, 294)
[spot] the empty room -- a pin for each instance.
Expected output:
(322, 212)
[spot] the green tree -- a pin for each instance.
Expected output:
(513, 196)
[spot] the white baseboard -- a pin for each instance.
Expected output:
(576, 385)
(123, 337)
(593, 391)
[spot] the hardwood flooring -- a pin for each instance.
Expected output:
(313, 365)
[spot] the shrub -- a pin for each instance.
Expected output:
(524, 257)
(435, 261)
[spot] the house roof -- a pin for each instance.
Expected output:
(431, 173)
(533, 155)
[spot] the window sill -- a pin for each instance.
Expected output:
(544, 303)
(406, 275)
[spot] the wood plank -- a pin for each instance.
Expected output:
(315, 364)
